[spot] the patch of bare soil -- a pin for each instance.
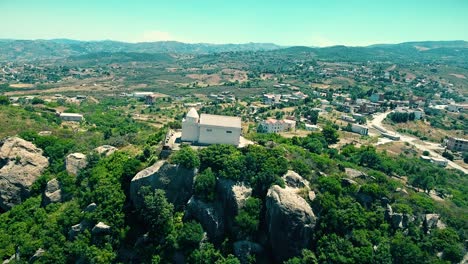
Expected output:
(21, 85)
(459, 76)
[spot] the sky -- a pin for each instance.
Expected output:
(283, 22)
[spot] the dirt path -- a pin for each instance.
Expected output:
(419, 144)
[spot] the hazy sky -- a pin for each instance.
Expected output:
(286, 22)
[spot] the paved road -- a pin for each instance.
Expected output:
(419, 144)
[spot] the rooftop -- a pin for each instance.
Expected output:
(219, 120)
(71, 114)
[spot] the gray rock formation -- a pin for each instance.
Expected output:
(431, 221)
(100, 229)
(21, 163)
(294, 180)
(176, 180)
(242, 249)
(76, 230)
(402, 191)
(232, 197)
(52, 193)
(75, 162)
(348, 182)
(37, 255)
(352, 173)
(90, 208)
(398, 220)
(290, 222)
(106, 150)
(210, 217)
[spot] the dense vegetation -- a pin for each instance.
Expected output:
(352, 227)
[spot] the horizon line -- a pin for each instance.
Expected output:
(220, 44)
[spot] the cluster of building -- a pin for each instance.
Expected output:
(271, 99)
(225, 96)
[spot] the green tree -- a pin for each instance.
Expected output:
(186, 157)
(4, 100)
(330, 134)
(248, 218)
(189, 236)
(157, 213)
(307, 257)
(205, 184)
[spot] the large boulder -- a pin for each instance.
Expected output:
(106, 150)
(175, 180)
(294, 180)
(431, 221)
(352, 173)
(52, 193)
(100, 229)
(21, 163)
(290, 222)
(75, 162)
(208, 215)
(39, 253)
(232, 197)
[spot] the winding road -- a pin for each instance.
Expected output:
(419, 144)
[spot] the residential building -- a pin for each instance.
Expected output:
(312, 127)
(71, 117)
(211, 129)
(150, 99)
(360, 129)
(457, 144)
(269, 99)
(377, 97)
(275, 126)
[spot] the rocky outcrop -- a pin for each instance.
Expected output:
(21, 163)
(398, 220)
(290, 222)
(52, 193)
(77, 229)
(345, 182)
(352, 173)
(90, 208)
(232, 197)
(210, 217)
(100, 229)
(294, 180)
(106, 150)
(75, 162)
(431, 221)
(39, 253)
(175, 180)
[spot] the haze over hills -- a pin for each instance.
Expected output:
(456, 51)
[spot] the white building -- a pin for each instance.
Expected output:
(363, 130)
(269, 99)
(457, 144)
(309, 127)
(211, 129)
(71, 117)
(275, 126)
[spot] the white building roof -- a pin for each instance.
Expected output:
(193, 113)
(70, 115)
(220, 121)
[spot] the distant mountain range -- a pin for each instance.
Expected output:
(25, 50)
(60, 48)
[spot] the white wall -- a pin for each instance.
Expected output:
(219, 135)
(189, 131)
